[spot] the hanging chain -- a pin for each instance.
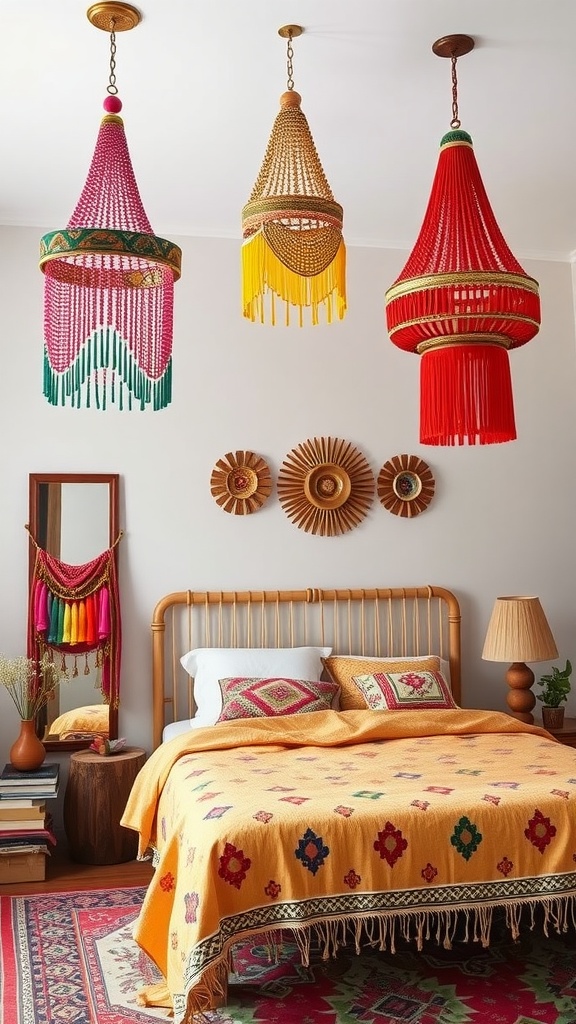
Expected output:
(455, 122)
(289, 56)
(112, 77)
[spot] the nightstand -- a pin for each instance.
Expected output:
(567, 734)
(96, 795)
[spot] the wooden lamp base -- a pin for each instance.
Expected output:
(520, 699)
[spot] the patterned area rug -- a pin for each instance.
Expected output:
(69, 958)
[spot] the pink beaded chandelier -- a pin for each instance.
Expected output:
(108, 280)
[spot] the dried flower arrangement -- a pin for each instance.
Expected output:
(30, 683)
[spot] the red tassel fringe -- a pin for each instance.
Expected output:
(466, 396)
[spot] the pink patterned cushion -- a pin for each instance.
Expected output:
(397, 691)
(263, 698)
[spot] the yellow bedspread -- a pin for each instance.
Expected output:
(92, 718)
(348, 826)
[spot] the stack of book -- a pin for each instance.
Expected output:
(25, 826)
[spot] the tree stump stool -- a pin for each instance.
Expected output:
(96, 795)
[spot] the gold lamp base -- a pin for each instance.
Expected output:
(520, 699)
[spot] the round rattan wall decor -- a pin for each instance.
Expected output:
(405, 485)
(325, 486)
(241, 482)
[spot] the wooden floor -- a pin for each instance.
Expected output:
(64, 874)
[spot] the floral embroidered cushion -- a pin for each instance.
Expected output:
(343, 668)
(262, 698)
(398, 691)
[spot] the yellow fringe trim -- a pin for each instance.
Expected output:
(265, 280)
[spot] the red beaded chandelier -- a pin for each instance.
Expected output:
(108, 280)
(462, 300)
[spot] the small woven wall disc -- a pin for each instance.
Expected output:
(405, 485)
(241, 482)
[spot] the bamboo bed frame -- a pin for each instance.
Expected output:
(380, 622)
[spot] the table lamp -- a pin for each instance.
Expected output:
(518, 632)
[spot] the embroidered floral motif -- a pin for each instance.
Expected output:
(190, 855)
(441, 790)
(505, 866)
(560, 792)
(492, 799)
(390, 844)
(352, 879)
(167, 882)
(311, 851)
(297, 800)
(429, 873)
(540, 831)
(217, 812)
(174, 940)
(422, 805)
(233, 865)
(466, 838)
(273, 890)
(264, 816)
(346, 812)
(191, 901)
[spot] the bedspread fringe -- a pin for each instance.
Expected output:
(467, 924)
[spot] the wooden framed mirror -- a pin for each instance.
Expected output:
(75, 517)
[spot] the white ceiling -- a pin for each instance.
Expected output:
(200, 84)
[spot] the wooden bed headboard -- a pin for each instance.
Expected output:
(397, 622)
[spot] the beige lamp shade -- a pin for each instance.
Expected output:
(518, 631)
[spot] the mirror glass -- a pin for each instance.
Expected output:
(75, 517)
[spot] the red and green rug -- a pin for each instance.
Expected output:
(69, 958)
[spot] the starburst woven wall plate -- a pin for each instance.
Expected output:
(326, 486)
(241, 482)
(405, 485)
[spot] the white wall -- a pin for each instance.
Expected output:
(502, 520)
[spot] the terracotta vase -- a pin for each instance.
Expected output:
(27, 753)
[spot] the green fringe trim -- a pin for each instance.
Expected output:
(104, 373)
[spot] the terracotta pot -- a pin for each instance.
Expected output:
(553, 718)
(27, 753)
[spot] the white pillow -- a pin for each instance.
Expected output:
(209, 664)
(177, 728)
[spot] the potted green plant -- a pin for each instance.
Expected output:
(555, 689)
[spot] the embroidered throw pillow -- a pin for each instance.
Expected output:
(399, 691)
(209, 664)
(264, 698)
(343, 668)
